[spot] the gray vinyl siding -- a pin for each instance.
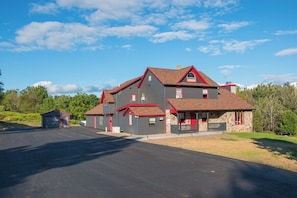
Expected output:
(124, 96)
(140, 126)
(153, 91)
(191, 92)
(146, 129)
(90, 121)
(99, 124)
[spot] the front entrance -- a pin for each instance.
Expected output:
(110, 123)
(193, 121)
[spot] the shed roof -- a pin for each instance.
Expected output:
(56, 111)
(226, 101)
(98, 110)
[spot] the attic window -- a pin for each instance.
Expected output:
(191, 77)
(149, 78)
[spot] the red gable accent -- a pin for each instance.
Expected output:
(193, 70)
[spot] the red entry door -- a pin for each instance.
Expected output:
(193, 121)
(110, 123)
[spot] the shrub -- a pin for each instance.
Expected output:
(288, 123)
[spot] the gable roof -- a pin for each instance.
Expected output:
(125, 84)
(226, 101)
(106, 97)
(175, 76)
(98, 110)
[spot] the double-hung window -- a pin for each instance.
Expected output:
(239, 117)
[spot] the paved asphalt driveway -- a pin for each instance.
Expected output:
(77, 162)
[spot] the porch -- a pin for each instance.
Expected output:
(192, 128)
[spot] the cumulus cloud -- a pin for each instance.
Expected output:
(132, 18)
(216, 47)
(229, 27)
(280, 78)
(226, 70)
(53, 88)
(286, 52)
(48, 8)
(285, 32)
(55, 35)
(192, 25)
(167, 36)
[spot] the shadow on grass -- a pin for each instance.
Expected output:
(278, 147)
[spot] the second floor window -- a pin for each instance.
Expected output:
(179, 93)
(133, 97)
(204, 93)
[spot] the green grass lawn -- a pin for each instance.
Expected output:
(286, 145)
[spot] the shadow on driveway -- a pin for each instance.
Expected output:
(18, 163)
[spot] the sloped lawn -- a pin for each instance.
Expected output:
(263, 148)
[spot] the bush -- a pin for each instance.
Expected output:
(288, 123)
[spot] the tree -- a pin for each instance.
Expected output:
(62, 102)
(258, 121)
(288, 123)
(81, 103)
(31, 98)
(11, 101)
(47, 105)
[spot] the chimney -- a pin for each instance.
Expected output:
(178, 67)
(230, 87)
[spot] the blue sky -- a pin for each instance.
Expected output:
(72, 46)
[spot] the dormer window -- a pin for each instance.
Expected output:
(191, 77)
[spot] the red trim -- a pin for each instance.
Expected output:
(136, 105)
(172, 110)
(193, 70)
(127, 85)
(144, 76)
(102, 97)
(228, 85)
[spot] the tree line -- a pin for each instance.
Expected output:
(275, 107)
(37, 100)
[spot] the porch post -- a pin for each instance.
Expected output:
(197, 121)
(207, 117)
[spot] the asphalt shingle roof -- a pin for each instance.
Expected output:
(226, 101)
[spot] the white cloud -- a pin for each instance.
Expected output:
(167, 36)
(53, 88)
(286, 52)
(192, 25)
(129, 31)
(229, 67)
(216, 47)
(226, 70)
(133, 18)
(128, 46)
(219, 3)
(280, 78)
(48, 8)
(229, 27)
(188, 49)
(58, 89)
(285, 32)
(55, 35)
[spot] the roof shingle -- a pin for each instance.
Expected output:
(226, 101)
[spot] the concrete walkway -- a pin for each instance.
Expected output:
(157, 136)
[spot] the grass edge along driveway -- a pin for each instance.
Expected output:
(263, 148)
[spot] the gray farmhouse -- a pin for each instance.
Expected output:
(171, 101)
